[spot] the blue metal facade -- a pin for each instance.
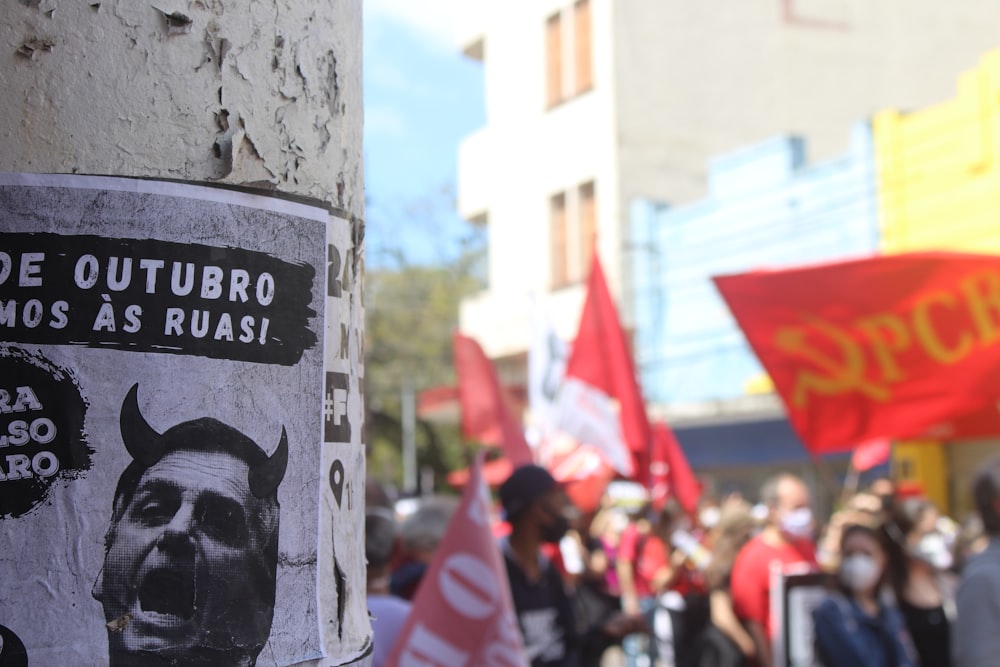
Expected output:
(766, 209)
(770, 442)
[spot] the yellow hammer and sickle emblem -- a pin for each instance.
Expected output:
(840, 375)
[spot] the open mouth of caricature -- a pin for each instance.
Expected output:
(168, 591)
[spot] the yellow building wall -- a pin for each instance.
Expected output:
(964, 460)
(938, 172)
(923, 463)
(938, 179)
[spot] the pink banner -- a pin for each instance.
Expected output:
(463, 614)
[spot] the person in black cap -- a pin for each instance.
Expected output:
(538, 511)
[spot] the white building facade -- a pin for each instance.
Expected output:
(594, 103)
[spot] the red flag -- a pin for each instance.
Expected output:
(901, 347)
(584, 474)
(671, 472)
(871, 453)
(463, 615)
(600, 370)
(495, 473)
(486, 413)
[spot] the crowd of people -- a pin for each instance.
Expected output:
(651, 585)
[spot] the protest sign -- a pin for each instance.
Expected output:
(167, 428)
(793, 598)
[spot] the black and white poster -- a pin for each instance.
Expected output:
(794, 596)
(173, 413)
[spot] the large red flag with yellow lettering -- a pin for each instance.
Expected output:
(902, 346)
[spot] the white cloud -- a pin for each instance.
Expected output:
(432, 21)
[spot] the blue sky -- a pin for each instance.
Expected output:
(421, 97)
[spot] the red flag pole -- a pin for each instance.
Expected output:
(486, 414)
(601, 360)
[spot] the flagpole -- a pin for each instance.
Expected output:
(852, 479)
(409, 440)
(826, 478)
(649, 464)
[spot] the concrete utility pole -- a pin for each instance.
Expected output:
(265, 93)
(262, 94)
(409, 419)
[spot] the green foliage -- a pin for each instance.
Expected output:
(411, 313)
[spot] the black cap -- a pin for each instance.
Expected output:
(525, 485)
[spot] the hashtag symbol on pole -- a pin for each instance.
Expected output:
(328, 406)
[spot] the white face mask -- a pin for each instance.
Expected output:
(797, 523)
(933, 550)
(859, 572)
(709, 517)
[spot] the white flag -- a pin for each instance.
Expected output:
(546, 367)
(590, 416)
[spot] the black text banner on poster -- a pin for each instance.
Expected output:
(154, 296)
(41, 430)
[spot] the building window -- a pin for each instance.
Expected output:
(557, 225)
(588, 227)
(553, 54)
(583, 69)
(568, 53)
(573, 225)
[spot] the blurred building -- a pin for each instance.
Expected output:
(766, 208)
(595, 104)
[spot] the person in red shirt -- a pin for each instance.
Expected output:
(645, 562)
(785, 543)
(647, 566)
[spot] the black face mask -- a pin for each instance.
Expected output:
(556, 530)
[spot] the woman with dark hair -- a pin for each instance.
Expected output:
(855, 626)
(920, 560)
(725, 642)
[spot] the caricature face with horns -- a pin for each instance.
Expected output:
(191, 554)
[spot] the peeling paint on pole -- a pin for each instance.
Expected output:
(262, 95)
(251, 93)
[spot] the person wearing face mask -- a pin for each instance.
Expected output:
(537, 509)
(652, 573)
(600, 622)
(854, 626)
(639, 556)
(920, 560)
(786, 544)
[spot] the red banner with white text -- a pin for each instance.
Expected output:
(902, 347)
